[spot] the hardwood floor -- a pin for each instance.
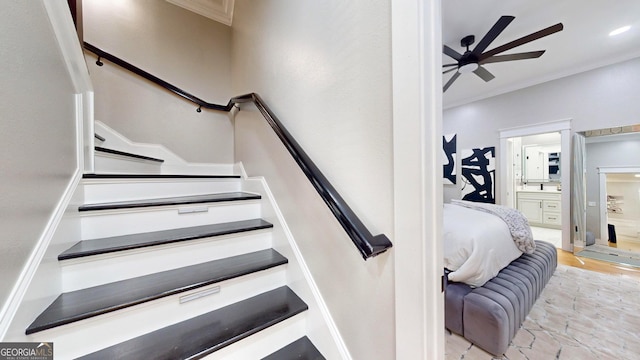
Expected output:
(567, 258)
(626, 243)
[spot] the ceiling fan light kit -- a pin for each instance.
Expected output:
(467, 68)
(472, 60)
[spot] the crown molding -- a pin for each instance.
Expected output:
(218, 10)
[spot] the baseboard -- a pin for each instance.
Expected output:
(340, 346)
(26, 276)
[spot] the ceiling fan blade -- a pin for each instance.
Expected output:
(453, 78)
(451, 53)
(484, 74)
(450, 70)
(447, 65)
(493, 33)
(511, 57)
(523, 40)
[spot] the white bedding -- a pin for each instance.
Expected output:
(477, 245)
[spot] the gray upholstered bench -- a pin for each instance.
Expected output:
(489, 316)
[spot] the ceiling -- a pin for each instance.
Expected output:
(584, 44)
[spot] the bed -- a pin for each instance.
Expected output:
(481, 239)
(494, 272)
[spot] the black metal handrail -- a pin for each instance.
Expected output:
(368, 244)
(154, 79)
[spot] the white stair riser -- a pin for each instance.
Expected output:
(107, 223)
(89, 335)
(101, 269)
(198, 168)
(99, 191)
(265, 342)
(107, 163)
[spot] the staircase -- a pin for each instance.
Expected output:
(174, 267)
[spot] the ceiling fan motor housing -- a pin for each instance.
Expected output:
(468, 57)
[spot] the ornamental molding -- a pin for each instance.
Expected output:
(218, 10)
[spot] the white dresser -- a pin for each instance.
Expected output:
(542, 208)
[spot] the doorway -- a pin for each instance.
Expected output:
(620, 208)
(529, 187)
(610, 195)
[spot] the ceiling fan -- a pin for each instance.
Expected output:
(472, 60)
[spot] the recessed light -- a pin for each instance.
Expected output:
(637, 175)
(619, 31)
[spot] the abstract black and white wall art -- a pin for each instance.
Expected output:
(478, 168)
(449, 151)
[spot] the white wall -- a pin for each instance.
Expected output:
(595, 99)
(37, 134)
(185, 49)
(619, 152)
(630, 204)
(324, 68)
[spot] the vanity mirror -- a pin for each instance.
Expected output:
(541, 158)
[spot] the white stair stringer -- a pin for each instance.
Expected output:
(96, 333)
(320, 327)
(173, 164)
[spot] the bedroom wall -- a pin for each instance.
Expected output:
(595, 99)
(181, 47)
(620, 151)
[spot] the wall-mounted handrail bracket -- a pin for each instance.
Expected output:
(368, 244)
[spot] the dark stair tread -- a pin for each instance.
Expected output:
(301, 349)
(135, 241)
(127, 154)
(157, 176)
(97, 136)
(86, 303)
(179, 200)
(205, 334)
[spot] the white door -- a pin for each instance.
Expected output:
(579, 195)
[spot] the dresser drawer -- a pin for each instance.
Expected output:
(551, 205)
(551, 219)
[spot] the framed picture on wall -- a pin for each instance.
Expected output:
(478, 168)
(449, 160)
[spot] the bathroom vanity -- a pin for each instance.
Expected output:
(541, 207)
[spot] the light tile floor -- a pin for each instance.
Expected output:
(553, 236)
